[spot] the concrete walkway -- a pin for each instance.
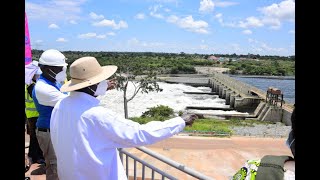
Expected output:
(218, 158)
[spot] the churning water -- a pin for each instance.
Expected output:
(172, 96)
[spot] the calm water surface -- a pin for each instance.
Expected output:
(287, 86)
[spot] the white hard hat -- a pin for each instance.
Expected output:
(52, 57)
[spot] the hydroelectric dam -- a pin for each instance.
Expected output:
(263, 105)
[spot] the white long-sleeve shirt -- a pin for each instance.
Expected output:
(85, 136)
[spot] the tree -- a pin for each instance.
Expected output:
(143, 84)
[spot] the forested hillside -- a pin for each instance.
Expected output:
(175, 63)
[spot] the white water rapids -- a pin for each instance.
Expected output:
(172, 96)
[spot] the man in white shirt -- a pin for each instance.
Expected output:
(46, 93)
(85, 136)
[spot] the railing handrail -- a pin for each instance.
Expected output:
(174, 164)
(162, 158)
(121, 150)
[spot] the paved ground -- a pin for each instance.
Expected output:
(218, 158)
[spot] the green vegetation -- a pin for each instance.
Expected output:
(213, 126)
(159, 110)
(142, 63)
(158, 113)
(262, 67)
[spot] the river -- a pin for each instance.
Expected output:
(285, 84)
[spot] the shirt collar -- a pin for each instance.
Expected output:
(49, 82)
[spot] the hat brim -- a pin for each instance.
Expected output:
(107, 71)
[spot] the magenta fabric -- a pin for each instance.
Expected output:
(28, 56)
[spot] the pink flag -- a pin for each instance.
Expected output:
(28, 56)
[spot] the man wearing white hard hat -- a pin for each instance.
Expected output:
(46, 94)
(85, 135)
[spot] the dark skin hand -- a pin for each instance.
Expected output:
(189, 118)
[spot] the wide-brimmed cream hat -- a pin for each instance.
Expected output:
(86, 71)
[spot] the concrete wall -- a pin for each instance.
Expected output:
(286, 117)
(228, 95)
(235, 85)
(274, 114)
(236, 94)
(246, 104)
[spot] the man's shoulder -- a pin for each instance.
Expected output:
(43, 86)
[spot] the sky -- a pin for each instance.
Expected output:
(265, 27)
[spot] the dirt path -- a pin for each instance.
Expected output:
(218, 158)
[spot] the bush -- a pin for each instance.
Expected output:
(160, 110)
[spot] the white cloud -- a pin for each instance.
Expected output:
(87, 36)
(111, 23)
(204, 47)
(172, 19)
(111, 34)
(167, 10)
(73, 22)
(219, 17)
(121, 24)
(225, 3)
(292, 32)
(271, 16)
(39, 41)
(247, 31)
(55, 10)
(102, 36)
(256, 49)
(92, 35)
(252, 40)
(154, 11)
(95, 16)
(285, 10)
(189, 24)
(53, 26)
(273, 23)
(206, 6)
(250, 22)
(139, 16)
(264, 47)
(134, 42)
(61, 40)
(156, 15)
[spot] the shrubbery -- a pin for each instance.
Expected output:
(159, 110)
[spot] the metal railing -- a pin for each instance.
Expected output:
(154, 169)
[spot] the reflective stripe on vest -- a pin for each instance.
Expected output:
(31, 110)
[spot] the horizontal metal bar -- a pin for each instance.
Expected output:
(172, 163)
(147, 164)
